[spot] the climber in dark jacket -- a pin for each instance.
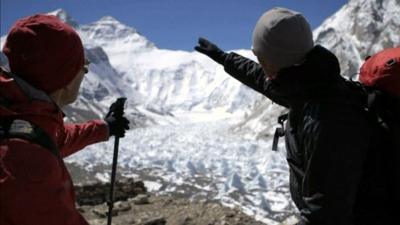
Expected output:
(328, 131)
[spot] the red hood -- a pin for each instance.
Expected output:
(46, 115)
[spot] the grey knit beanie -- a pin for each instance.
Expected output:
(282, 37)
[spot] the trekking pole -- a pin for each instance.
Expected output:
(118, 109)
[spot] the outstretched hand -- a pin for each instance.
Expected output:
(117, 124)
(211, 50)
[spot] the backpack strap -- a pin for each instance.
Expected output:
(369, 101)
(16, 128)
(280, 131)
(30, 91)
(378, 108)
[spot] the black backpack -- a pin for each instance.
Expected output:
(379, 94)
(18, 128)
(380, 79)
(22, 129)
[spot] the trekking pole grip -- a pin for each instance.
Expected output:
(118, 107)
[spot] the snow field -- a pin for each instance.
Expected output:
(209, 160)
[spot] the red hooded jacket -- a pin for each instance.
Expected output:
(35, 186)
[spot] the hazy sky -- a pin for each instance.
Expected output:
(175, 24)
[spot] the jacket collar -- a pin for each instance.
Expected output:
(314, 77)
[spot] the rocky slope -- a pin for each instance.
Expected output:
(135, 206)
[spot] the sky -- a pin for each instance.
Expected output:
(175, 24)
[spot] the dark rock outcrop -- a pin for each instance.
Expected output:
(98, 193)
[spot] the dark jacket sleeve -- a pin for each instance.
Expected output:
(251, 74)
(336, 144)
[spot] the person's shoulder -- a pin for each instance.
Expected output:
(336, 108)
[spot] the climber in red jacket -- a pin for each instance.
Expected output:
(47, 65)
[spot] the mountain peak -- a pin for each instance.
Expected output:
(64, 16)
(58, 11)
(108, 30)
(111, 24)
(109, 19)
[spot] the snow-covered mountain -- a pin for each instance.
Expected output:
(171, 81)
(116, 38)
(65, 17)
(360, 28)
(160, 84)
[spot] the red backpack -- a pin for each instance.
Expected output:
(380, 78)
(382, 71)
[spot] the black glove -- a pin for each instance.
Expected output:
(117, 125)
(211, 50)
